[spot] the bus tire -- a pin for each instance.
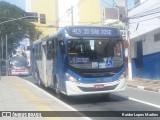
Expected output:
(56, 88)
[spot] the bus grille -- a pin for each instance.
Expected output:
(84, 89)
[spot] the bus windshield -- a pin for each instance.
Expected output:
(95, 54)
(19, 62)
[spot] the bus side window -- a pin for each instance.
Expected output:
(40, 50)
(49, 50)
(54, 48)
(40, 53)
(35, 52)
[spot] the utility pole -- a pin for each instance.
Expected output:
(2, 47)
(6, 55)
(72, 14)
(1, 58)
(0, 65)
(129, 42)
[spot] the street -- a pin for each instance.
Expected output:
(130, 100)
(80, 59)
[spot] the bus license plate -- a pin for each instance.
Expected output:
(99, 86)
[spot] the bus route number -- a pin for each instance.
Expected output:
(97, 32)
(105, 32)
(93, 31)
(77, 31)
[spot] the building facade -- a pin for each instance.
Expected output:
(48, 9)
(61, 13)
(144, 31)
(79, 12)
(115, 16)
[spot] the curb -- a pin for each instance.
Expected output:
(144, 88)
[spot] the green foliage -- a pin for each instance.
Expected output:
(18, 27)
(15, 29)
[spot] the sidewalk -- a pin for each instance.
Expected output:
(19, 95)
(145, 84)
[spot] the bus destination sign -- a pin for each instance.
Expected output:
(92, 31)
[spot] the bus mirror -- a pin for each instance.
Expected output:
(62, 46)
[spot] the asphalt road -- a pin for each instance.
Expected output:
(129, 100)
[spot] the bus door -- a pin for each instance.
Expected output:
(61, 65)
(44, 60)
(49, 65)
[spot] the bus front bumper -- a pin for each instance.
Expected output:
(74, 89)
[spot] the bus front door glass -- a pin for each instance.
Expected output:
(95, 54)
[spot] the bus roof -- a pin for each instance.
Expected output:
(84, 31)
(92, 31)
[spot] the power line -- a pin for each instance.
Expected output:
(69, 9)
(114, 7)
(114, 2)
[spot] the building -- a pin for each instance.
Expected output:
(138, 2)
(79, 12)
(144, 31)
(59, 13)
(47, 13)
(90, 12)
(115, 16)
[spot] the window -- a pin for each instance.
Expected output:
(157, 37)
(36, 52)
(49, 50)
(54, 44)
(40, 52)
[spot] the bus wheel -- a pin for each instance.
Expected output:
(57, 91)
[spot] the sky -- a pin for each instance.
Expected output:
(19, 3)
(109, 3)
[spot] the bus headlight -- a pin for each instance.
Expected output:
(70, 78)
(122, 76)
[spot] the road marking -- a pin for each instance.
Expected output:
(144, 102)
(34, 100)
(56, 99)
(144, 90)
(141, 87)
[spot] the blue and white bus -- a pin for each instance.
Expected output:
(80, 60)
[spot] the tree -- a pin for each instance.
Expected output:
(15, 29)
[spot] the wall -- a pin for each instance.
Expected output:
(143, 25)
(59, 12)
(89, 12)
(85, 12)
(151, 57)
(49, 8)
(66, 12)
